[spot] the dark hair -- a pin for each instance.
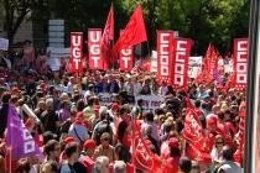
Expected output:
(197, 103)
(148, 116)
(80, 105)
(121, 130)
(71, 148)
(50, 146)
(185, 164)
(175, 152)
(6, 97)
(221, 115)
(228, 153)
(203, 121)
(23, 165)
(124, 109)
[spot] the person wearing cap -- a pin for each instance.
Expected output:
(78, 129)
(86, 157)
(174, 156)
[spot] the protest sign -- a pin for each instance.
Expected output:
(195, 66)
(4, 44)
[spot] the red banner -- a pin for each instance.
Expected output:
(76, 47)
(181, 62)
(164, 57)
(95, 59)
(240, 62)
(126, 58)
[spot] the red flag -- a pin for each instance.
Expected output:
(134, 32)
(107, 36)
(143, 158)
(210, 63)
(198, 142)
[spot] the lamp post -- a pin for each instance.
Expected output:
(252, 139)
(152, 25)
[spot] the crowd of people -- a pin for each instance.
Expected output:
(78, 133)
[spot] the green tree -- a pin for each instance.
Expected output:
(15, 12)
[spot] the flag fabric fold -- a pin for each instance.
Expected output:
(210, 64)
(107, 37)
(134, 32)
(19, 139)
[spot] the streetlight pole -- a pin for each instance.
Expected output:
(252, 139)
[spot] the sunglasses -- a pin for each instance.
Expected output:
(195, 167)
(105, 139)
(219, 142)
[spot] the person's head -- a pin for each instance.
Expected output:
(195, 167)
(47, 136)
(103, 112)
(173, 144)
(211, 123)
(125, 112)
(119, 167)
(149, 116)
(6, 97)
(105, 139)
(197, 103)
(49, 103)
(52, 149)
(72, 151)
(221, 115)
(185, 165)
(227, 153)
(89, 147)
(101, 165)
(219, 142)
(50, 167)
(23, 166)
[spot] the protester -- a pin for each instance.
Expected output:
(111, 122)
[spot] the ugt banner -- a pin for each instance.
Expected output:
(240, 62)
(76, 47)
(181, 62)
(126, 58)
(164, 56)
(95, 59)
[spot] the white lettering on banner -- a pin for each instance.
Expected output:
(95, 49)
(29, 143)
(76, 40)
(150, 102)
(181, 54)
(164, 38)
(126, 60)
(241, 61)
(126, 56)
(95, 60)
(164, 54)
(76, 48)
(77, 62)
(94, 37)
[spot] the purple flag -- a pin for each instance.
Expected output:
(19, 139)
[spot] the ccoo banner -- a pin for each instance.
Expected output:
(240, 62)
(181, 62)
(164, 56)
(95, 59)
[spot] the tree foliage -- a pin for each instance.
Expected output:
(205, 21)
